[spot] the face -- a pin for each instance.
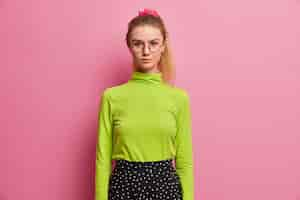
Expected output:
(146, 47)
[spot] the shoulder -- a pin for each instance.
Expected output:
(110, 92)
(178, 93)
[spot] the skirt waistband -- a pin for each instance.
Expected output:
(135, 165)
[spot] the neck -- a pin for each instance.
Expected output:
(146, 77)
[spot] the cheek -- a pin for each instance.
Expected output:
(157, 57)
(134, 56)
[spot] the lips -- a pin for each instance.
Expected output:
(146, 60)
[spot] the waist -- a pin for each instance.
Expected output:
(123, 164)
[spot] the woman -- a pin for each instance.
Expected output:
(145, 124)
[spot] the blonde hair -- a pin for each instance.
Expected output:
(165, 64)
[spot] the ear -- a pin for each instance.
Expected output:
(164, 45)
(130, 50)
(163, 48)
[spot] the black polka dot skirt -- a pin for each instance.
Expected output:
(133, 180)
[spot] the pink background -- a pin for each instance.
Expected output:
(239, 61)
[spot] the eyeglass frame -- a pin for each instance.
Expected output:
(149, 47)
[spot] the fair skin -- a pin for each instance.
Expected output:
(142, 38)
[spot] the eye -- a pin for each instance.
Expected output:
(137, 43)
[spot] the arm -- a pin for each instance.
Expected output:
(184, 151)
(103, 149)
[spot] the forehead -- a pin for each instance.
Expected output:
(146, 33)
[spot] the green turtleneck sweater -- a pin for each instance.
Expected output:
(144, 119)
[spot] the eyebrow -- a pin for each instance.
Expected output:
(141, 40)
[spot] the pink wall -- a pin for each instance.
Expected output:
(239, 60)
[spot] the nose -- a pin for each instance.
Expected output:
(146, 50)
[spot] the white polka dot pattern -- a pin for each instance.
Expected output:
(133, 180)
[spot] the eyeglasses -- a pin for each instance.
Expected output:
(139, 46)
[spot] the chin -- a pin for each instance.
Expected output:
(147, 65)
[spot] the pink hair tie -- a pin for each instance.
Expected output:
(147, 11)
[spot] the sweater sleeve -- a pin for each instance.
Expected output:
(184, 151)
(103, 149)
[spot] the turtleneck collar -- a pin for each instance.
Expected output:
(151, 78)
